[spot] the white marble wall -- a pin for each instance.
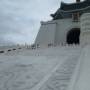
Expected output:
(63, 26)
(46, 33)
(55, 31)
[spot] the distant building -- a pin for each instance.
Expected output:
(65, 27)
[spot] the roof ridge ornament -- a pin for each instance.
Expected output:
(77, 1)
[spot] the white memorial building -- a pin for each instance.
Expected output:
(67, 25)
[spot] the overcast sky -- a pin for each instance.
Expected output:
(20, 19)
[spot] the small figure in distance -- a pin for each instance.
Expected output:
(1, 51)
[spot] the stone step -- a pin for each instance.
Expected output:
(61, 78)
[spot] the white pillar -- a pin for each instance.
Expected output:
(85, 29)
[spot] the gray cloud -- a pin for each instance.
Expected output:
(20, 19)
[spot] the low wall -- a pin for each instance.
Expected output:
(83, 79)
(81, 76)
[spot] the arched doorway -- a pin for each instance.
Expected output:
(73, 36)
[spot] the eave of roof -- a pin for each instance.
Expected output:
(76, 10)
(74, 6)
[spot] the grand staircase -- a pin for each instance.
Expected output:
(62, 75)
(40, 69)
